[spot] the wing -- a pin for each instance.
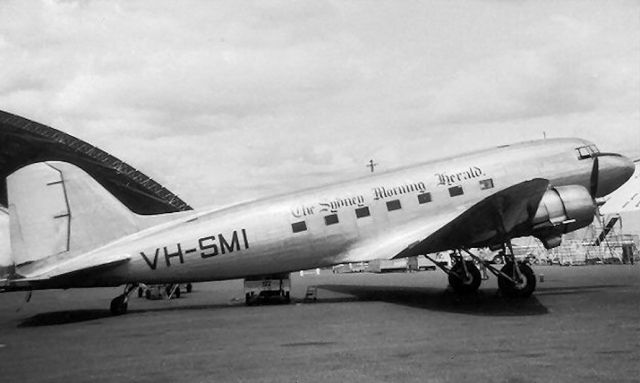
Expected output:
(505, 214)
(396, 243)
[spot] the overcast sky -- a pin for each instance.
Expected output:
(229, 101)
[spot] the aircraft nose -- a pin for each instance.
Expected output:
(614, 171)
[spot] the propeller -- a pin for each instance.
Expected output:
(593, 190)
(593, 184)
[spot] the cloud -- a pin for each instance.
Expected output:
(222, 101)
(568, 69)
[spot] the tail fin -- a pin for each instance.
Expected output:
(56, 209)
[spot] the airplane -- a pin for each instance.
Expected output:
(74, 232)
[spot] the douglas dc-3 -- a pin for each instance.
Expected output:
(68, 231)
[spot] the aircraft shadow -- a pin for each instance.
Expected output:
(568, 290)
(64, 317)
(483, 303)
(75, 316)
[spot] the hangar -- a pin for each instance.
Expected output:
(25, 142)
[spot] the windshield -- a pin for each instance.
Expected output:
(587, 151)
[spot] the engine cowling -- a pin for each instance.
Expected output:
(562, 209)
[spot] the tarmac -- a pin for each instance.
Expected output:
(581, 325)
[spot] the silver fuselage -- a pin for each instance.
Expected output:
(258, 238)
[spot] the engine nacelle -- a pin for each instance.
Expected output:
(562, 209)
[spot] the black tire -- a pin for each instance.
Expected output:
(139, 292)
(287, 297)
(520, 290)
(176, 293)
(118, 305)
(189, 287)
(248, 299)
(460, 283)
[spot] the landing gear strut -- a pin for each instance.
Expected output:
(464, 276)
(517, 286)
(119, 304)
(516, 279)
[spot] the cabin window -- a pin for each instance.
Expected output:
(394, 205)
(455, 191)
(424, 198)
(299, 226)
(331, 219)
(486, 184)
(362, 212)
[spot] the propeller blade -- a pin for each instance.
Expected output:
(594, 178)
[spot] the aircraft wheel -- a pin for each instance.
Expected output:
(524, 288)
(462, 284)
(177, 292)
(119, 305)
(287, 297)
(139, 292)
(189, 287)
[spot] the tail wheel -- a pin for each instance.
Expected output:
(119, 305)
(524, 287)
(465, 283)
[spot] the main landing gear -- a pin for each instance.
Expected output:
(515, 279)
(119, 304)
(464, 276)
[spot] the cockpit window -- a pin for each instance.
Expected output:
(587, 151)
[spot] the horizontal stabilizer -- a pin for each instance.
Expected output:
(79, 265)
(73, 268)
